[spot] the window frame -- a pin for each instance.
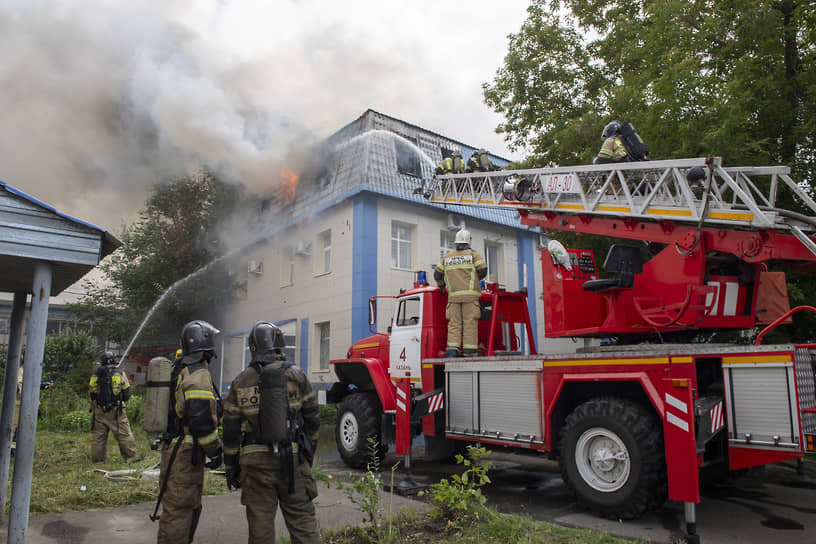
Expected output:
(395, 258)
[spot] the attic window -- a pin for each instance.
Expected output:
(407, 157)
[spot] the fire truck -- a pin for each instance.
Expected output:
(631, 424)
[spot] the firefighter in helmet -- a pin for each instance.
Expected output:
(460, 271)
(271, 420)
(612, 149)
(480, 161)
(109, 389)
(453, 164)
(192, 435)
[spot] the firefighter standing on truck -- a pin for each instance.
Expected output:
(192, 434)
(480, 161)
(110, 390)
(460, 270)
(612, 149)
(271, 420)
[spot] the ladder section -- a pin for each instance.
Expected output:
(670, 190)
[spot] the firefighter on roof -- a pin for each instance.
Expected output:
(452, 164)
(271, 420)
(460, 270)
(192, 433)
(110, 389)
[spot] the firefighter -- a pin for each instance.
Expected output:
(192, 434)
(271, 420)
(612, 149)
(452, 164)
(460, 271)
(480, 161)
(110, 390)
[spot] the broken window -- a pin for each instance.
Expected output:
(407, 157)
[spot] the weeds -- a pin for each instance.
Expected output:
(365, 491)
(458, 497)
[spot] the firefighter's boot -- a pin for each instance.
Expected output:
(452, 353)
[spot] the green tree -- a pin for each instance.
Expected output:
(179, 232)
(732, 78)
(70, 358)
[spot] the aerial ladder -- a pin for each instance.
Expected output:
(711, 231)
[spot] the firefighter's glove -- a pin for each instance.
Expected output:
(233, 473)
(214, 462)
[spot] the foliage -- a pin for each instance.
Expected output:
(458, 497)
(734, 79)
(179, 232)
(70, 356)
(365, 491)
(59, 401)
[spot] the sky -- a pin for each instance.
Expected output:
(101, 99)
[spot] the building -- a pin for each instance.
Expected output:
(354, 229)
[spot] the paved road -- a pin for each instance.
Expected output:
(769, 504)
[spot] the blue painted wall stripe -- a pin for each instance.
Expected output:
(525, 242)
(364, 263)
(304, 344)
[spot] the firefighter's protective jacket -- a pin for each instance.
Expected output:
(461, 270)
(242, 406)
(196, 407)
(612, 150)
(451, 165)
(120, 386)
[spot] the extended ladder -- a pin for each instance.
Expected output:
(739, 197)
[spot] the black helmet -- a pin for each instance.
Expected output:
(107, 358)
(265, 337)
(197, 336)
(611, 128)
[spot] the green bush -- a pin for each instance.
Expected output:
(59, 401)
(78, 420)
(457, 499)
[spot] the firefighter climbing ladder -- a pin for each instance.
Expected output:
(725, 197)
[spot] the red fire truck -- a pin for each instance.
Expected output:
(631, 424)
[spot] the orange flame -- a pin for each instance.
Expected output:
(289, 182)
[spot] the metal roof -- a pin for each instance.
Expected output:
(32, 231)
(362, 156)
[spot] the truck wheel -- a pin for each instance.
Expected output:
(612, 458)
(358, 419)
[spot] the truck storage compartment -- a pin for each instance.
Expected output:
(761, 402)
(496, 401)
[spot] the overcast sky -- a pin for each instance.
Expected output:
(102, 98)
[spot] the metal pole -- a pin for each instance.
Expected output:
(27, 428)
(15, 347)
(691, 524)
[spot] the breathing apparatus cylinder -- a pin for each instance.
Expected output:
(274, 405)
(157, 398)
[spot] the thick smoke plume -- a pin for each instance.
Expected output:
(102, 99)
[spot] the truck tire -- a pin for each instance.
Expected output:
(358, 419)
(612, 458)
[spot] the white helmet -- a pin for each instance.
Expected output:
(462, 237)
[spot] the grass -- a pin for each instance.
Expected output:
(63, 476)
(487, 526)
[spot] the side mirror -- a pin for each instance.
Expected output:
(372, 311)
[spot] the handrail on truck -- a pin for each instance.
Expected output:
(779, 320)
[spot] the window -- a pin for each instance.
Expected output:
(493, 256)
(446, 244)
(408, 312)
(287, 266)
(289, 350)
(323, 261)
(407, 157)
(324, 338)
(401, 242)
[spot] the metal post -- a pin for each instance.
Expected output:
(15, 345)
(691, 524)
(30, 402)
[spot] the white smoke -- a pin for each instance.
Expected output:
(101, 99)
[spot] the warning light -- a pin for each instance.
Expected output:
(680, 382)
(811, 446)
